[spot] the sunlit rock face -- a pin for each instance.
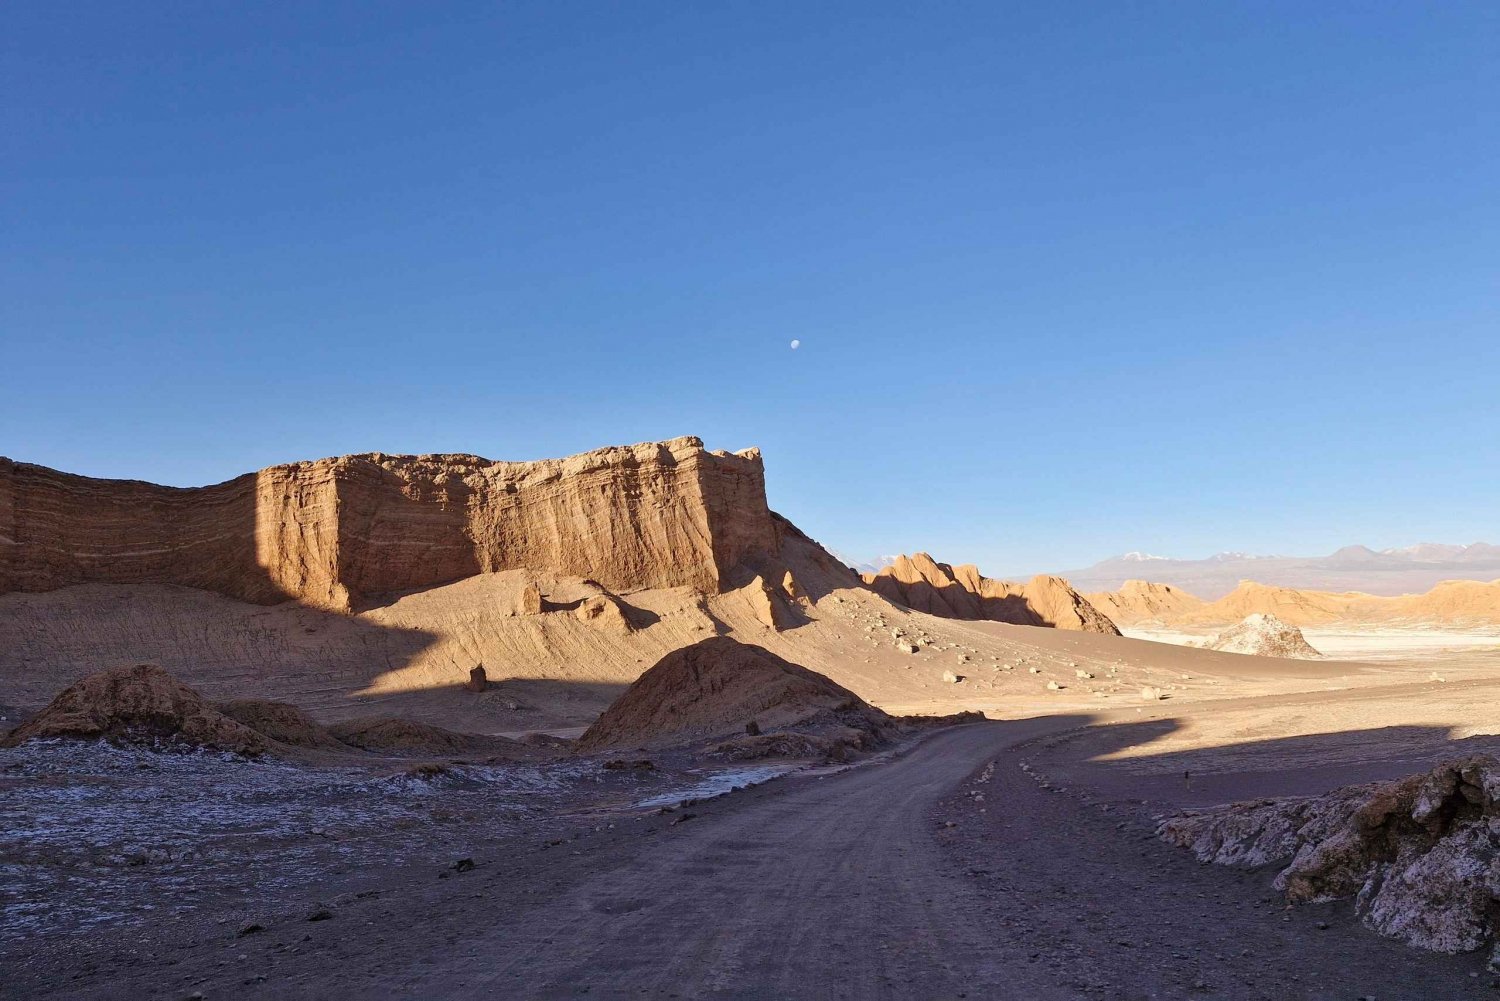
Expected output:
(920, 582)
(332, 532)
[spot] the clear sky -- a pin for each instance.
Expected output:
(1069, 279)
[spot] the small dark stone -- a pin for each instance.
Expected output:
(250, 929)
(321, 914)
(463, 865)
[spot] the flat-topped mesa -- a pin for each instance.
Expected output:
(334, 531)
(920, 582)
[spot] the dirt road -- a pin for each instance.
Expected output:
(848, 886)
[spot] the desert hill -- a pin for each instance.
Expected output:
(1456, 602)
(1139, 600)
(920, 582)
(720, 688)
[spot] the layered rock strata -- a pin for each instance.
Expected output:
(332, 532)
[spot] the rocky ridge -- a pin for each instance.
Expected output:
(921, 583)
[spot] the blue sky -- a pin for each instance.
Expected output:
(1069, 279)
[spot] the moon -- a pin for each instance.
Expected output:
(796, 345)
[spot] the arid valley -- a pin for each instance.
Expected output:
(840, 501)
(440, 727)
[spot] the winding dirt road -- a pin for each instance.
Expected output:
(853, 886)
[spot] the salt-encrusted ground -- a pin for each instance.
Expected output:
(97, 835)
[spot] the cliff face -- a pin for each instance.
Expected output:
(922, 583)
(331, 532)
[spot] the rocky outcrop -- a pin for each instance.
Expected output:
(1419, 855)
(333, 532)
(921, 583)
(719, 688)
(1264, 636)
(138, 705)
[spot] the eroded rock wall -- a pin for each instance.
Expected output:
(335, 531)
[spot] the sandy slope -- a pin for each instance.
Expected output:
(558, 668)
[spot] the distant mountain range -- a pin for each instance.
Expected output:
(1409, 570)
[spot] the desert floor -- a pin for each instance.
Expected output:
(1013, 858)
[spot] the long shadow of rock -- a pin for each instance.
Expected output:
(1116, 760)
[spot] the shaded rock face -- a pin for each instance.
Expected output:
(922, 583)
(141, 704)
(1264, 636)
(390, 735)
(1421, 856)
(280, 721)
(331, 532)
(717, 688)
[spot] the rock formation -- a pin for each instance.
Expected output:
(138, 705)
(604, 611)
(768, 604)
(1143, 601)
(1264, 636)
(921, 583)
(332, 532)
(1418, 855)
(715, 689)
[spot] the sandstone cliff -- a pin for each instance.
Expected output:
(921, 583)
(333, 532)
